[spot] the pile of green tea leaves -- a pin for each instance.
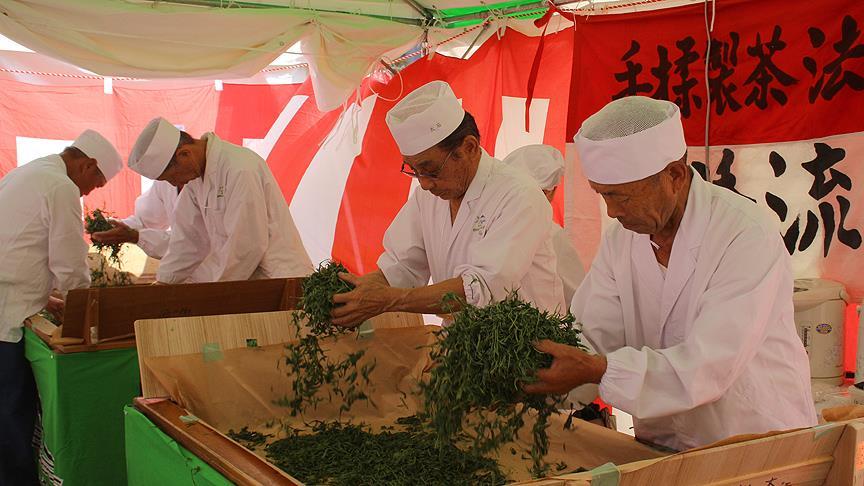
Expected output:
(94, 222)
(480, 362)
(346, 454)
(306, 362)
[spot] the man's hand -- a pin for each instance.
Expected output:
(55, 307)
(120, 233)
(369, 298)
(570, 368)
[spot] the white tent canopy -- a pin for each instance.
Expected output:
(341, 40)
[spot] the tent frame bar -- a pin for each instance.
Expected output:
(428, 20)
(421, 10)
(261, 5)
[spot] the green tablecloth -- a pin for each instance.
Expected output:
(82, 396)
(153, 458)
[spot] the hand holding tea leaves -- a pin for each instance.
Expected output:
(119, 233)
(95, 222)
(373, 295)
(369, 296)
(571, 367)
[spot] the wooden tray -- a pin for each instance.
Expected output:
(832, 455)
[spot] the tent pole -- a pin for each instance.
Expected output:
(420, 9)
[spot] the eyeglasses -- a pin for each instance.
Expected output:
(410, 172)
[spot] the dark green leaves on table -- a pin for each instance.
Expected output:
(346, 454)
(309, 368)
(480, 361)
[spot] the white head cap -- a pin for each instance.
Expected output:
(544, 162)
(98, 147)
(630, 139)
(425, 117)
(154, 148)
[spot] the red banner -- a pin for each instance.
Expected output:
(778, 70)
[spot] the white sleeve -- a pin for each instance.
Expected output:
(597, 303)
(404, 261)
(152, 219)
(497, 263)
(729, 329)
(150, 211)
(246, 224)
(67, 249)
(133, 221)
(189, 244)
(154, 242)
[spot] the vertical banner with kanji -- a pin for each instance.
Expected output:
(781, 100)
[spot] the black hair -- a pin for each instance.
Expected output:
(466, 128)
(185, 139)
(75, 152)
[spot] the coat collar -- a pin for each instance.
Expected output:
(475, 190)
(208, 186)
(697, 214)
(478, 183)
(691, 232)
(214, 158)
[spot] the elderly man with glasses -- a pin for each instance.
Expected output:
(478, 228)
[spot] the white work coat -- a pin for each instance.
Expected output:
(570, 268)
(710, 350)
(501, 240)
(233, 223)
(154, 213)
(42, 243)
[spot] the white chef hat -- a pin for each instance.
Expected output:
(630, 139)
(98, 147)
(425, 117)
(154, 148)
(544, 162)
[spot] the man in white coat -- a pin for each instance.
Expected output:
(477, 227)
(689, 299)
(546, 165)
(42, 248)
(231, 221)
(149, 226)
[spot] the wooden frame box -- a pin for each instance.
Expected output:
(832, 454)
